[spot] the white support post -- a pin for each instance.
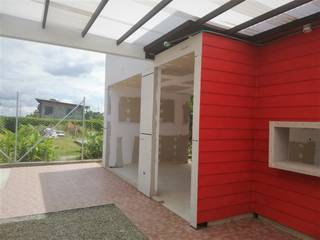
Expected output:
(146, 149)
(83, 126)
(16, 128)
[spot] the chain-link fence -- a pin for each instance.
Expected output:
(51, 130)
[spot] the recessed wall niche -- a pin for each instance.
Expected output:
(295, 147)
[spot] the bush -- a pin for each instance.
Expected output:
(27, 137)
(93, 145)
(10, 122)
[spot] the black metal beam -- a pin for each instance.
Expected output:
(191, 27)
(288, 28)
(181, 33)
(143, 20)
(45, 13)
(225, 7)
(267, 15)
(94, 16)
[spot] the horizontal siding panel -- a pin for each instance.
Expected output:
(225, 189)
(228, 89)
(225, 123)
(293, 43)
(293, 113)
(284, 180)
(261, 134)
(207, 98)
(290, 52)
(209, 75)
(290, 100)
(225, 145)
(225, 54)
(290, 64)
(261, 145)
(274, 191)
(225, 178)
(295, 88)
(226, 156)
(225, 212)
(238, 101)
(218, 134)
(227, 66)
(220, 168)
(225, 111)
(281, 78)
(224, 201)
(288, 220)
(233, 46)
(261, 156)
(301, 213)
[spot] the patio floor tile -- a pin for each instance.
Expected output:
(32, 190)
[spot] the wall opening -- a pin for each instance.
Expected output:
(123, 128)
(175, 135)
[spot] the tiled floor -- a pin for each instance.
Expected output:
(31, 190)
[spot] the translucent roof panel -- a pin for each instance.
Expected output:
(196, 8)
(246, 11)
(160, 24)
(120, 19)
(119, 16)
(27, 9)
(289, 16)
(71, 13)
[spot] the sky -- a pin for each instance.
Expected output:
(45, 71)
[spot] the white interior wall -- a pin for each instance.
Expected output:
(301, 135)
(119, 129)
(118, 68)
(178, 127)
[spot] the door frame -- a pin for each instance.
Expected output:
(191, 45)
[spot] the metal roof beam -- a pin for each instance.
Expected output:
(284, 8)
(94, 16)
(225, 7)
(45, 13)
(143, 20)
(286, 29)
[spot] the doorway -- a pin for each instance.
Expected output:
(123, 122)
(174, 163)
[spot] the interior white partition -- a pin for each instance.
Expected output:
(146, 160)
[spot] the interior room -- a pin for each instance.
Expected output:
(175, 135)
(123, 127)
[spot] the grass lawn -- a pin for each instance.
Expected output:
(66, 148)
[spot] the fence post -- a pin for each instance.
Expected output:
(83, 126)
(16, 128)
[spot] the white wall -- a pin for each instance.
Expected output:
(126, 130)
(177, 127)
(119, 68)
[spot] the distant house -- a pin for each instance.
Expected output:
(56, 109)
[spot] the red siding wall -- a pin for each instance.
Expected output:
(243, 88)
(226, 128)
(288, 88)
